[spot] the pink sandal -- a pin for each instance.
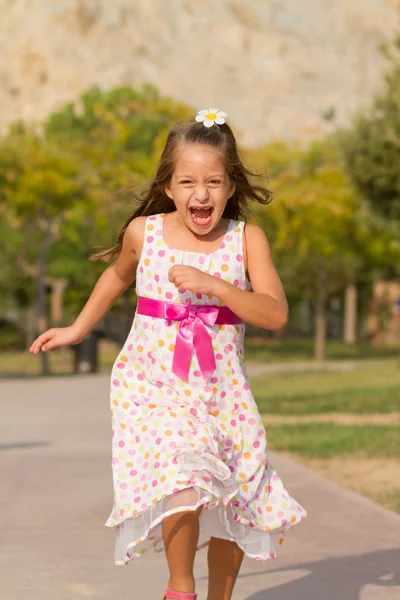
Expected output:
(179, 595)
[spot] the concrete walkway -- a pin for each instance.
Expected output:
(56, 493)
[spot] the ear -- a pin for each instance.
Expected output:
(167, 190)
(232, 188)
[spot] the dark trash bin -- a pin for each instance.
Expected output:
(86, 358)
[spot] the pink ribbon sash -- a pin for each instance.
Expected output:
(192, 332)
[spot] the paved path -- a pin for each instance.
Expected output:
(56, 493)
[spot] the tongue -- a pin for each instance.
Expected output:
(202, 212)
(201, 216)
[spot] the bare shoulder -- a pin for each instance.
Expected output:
(255, 242)
(254, 234)
(260, 266)
(134, 235)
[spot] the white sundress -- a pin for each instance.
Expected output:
(179, 445)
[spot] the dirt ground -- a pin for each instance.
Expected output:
(392, 418)
(377, 478)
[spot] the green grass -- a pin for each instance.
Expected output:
(390, 499)
(61, 361)
(282, 350)
(260, 350)
(372, 387)
(24, 363)
(328, 440)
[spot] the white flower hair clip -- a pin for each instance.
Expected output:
(209, 116)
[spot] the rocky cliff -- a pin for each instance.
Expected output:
(288, 69)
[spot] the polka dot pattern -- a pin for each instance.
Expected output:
(171, 437)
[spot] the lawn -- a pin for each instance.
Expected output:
(390, 499)
(328, 440)
(371, 387)
(257, 350)
(364, 457)
(267, 350)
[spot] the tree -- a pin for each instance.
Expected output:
(42, 191)
(371, 146)
(323, 236)
(371, 150)
(117, 136)
(117, 133)
(60, 188)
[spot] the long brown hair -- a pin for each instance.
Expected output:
(154, 200)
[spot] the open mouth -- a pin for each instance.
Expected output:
(201, 215)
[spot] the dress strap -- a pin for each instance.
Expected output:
(236, 238)
(235, 244)
(152, 232)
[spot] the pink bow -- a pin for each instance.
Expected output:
(192, 333)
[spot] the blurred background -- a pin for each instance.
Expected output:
(88, 91)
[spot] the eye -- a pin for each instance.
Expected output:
(215, 181)
(185, 182)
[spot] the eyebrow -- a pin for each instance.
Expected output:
(220, 174)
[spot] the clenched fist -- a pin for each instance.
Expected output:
(194, 280)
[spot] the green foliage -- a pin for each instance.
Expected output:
(115, 132)
(317, 220)
(68, 185)
(39, 203)
(371, 146)
(60, 184)
(46, 177)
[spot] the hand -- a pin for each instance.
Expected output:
(194, 280)
(55, 338)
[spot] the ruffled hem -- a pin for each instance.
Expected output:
(204, 481)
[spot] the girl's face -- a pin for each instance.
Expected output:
(200, 187)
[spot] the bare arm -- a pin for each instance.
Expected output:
(110, 285)
(266, 306)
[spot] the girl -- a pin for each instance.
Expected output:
(189, 449)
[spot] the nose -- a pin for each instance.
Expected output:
(201, 193)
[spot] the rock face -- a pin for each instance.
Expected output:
(290, 69)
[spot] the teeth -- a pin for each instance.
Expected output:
(204, 212)
(200, 214)
(199, 218)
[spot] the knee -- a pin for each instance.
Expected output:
(184, 498)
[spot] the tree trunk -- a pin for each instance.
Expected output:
(38, 272)
(320, 315)
(41, 307)
(41, 296)
(305, 316)
(350, 313)
(58, 287)
(30, 326)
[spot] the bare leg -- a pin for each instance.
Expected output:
(181, 534)
(224, 561)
